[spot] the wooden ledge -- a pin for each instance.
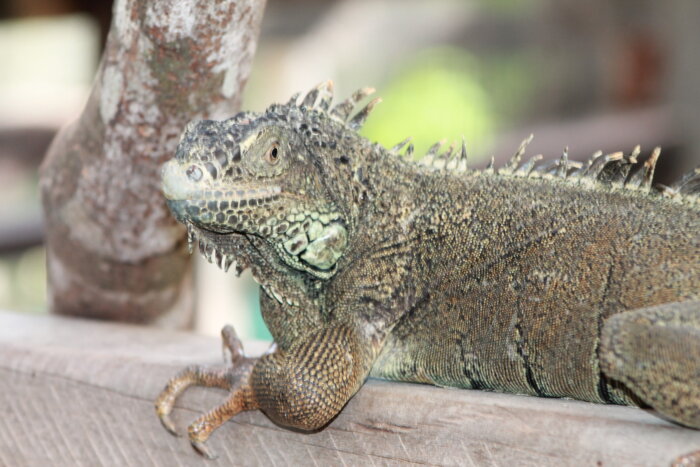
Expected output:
(75, 392)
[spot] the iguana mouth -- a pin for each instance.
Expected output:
(241, 197)
(224, 200)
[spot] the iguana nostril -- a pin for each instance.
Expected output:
(194, 173)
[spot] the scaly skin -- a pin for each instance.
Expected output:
(534, 279)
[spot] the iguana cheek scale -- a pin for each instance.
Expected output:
(556, 279)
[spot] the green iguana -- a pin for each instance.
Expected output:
(557, 280)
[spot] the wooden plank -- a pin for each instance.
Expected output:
(75, 392)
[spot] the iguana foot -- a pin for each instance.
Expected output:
(302, 387)
(655, 352)
(234, 378)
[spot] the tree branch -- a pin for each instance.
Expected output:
(114, 251)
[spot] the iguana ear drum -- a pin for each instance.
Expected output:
(310, 241)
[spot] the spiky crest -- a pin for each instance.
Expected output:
(320, 99)
(514, 161)
(616, 169)
(397, 148)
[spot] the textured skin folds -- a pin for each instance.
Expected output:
(313, 380)
(558, 279)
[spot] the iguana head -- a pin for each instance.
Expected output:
(270, 175)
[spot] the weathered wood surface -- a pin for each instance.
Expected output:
(75, 392)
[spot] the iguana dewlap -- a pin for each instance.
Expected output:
(559, 279)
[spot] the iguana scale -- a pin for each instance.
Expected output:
(558, 280)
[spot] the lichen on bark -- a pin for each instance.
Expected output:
(113, 250)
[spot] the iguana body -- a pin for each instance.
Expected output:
(560, 280)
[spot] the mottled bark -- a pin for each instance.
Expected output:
(113, 250)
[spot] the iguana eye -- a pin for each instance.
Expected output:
(272, 156)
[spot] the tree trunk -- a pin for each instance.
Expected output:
(113, 250)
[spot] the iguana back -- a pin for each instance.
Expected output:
(515, 276)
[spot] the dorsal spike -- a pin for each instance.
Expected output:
(294, 99)
(359, 119)
(573, 166)
(514, 161)
(581, 172)
(612, 168)
(547, 168)
(431, 157)
(526, 169)
(643, 176)
(433, 150)
(635, 153)
(325, 96)
(320, 97)
(492, 163)
(599, 164)
(409, 150)
(396, 148)
(619, 172)
(594, 157)
(310, 98)
(447, 155)
(650, 167)
(563, 167)
(452, 157)
(343, 110)
(463, 154)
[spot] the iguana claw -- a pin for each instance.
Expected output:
(167, 423)
(204, 450)
(233, 377)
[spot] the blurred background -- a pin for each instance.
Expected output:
(600, 74)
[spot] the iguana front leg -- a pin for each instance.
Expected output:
(302, 387)
(655, 352)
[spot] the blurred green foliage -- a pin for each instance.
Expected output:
(23, 281)
(437, 96)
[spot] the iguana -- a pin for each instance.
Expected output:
(552, 279)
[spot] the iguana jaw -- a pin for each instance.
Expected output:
(306, 238)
